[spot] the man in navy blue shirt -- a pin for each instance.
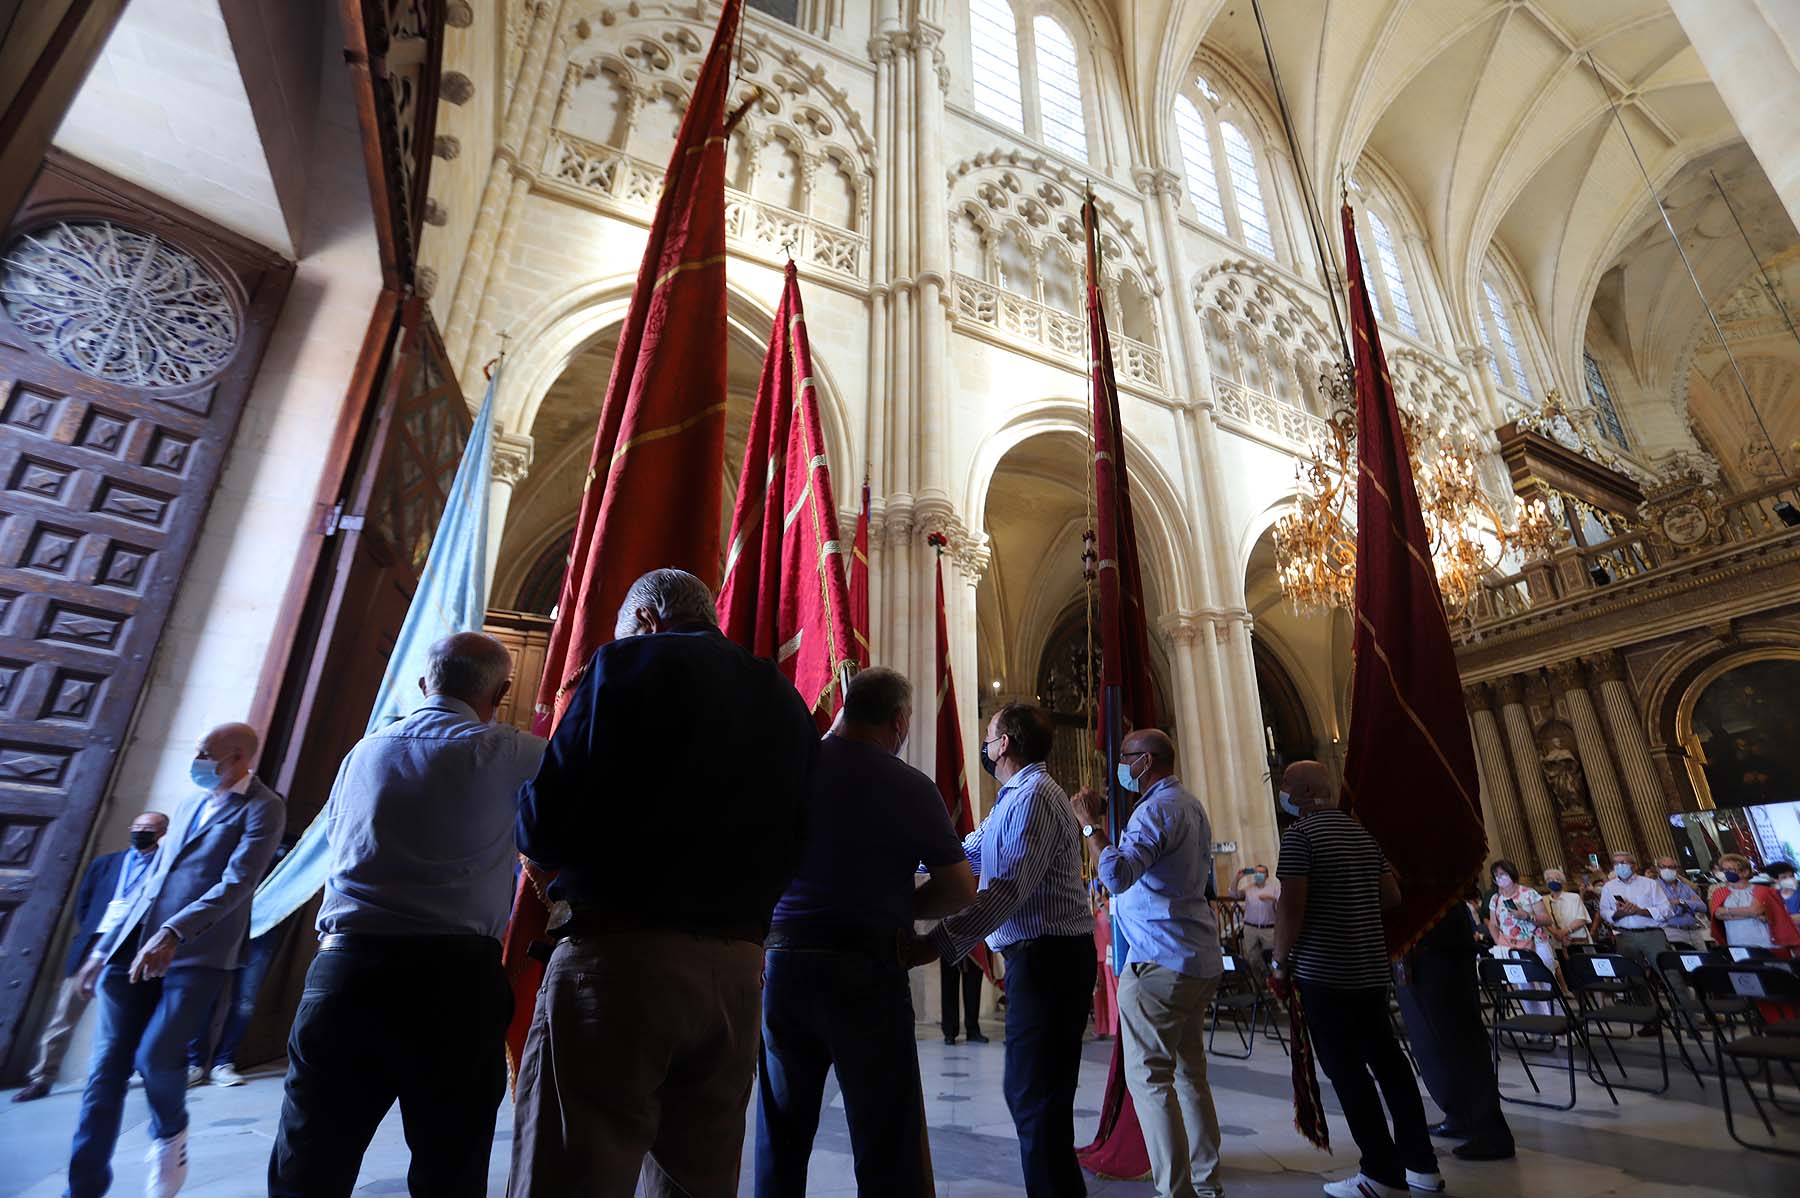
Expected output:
(672, 799)
(836, 992)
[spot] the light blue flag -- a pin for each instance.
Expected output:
(452, 597)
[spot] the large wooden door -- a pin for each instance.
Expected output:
(130, 333)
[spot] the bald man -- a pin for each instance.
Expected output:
(161, 966)
(1157, 875)
(406, 1001)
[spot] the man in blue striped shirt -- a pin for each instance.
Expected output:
(1031, 908)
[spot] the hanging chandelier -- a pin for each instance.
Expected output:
(1315, 544)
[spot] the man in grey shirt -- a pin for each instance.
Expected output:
(406, 1000)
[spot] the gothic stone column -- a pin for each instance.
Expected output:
(1626, 724)
(1497, 790)
(512, 461)
(1540, 813)
(1596, 762)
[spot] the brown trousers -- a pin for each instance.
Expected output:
(54, 1045)
(640, 1059)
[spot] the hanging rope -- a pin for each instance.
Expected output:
(1309, 198)
(1767, 282)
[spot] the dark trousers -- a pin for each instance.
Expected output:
(1442, 1010)
(1049, 991)
(1352, 1038)
(421, 1024)
(853, 1012)
(237, 1005)
(144, 1026)
(961, 981)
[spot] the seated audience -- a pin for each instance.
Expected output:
(1569, 920)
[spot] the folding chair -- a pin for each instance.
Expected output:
(1754, 983)
(1687, 1017)
(1509, 983)
(1614, 990)
(1247, 1005)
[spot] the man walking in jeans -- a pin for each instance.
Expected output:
(1157, 876)
(1033, 910)
(1335, 883)
(835, 993)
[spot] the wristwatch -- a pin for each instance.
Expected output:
(1087, 831)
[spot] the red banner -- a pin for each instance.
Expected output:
(1118, 1148)
(1409, 773)
(952, 776)
(785, 595)
(859, 580)
(654, 481)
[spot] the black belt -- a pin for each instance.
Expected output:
(864, 942)
(592, 921)
(1248, 924)
(1046, 941)
(371, 942)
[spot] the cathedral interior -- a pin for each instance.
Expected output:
(262, 259)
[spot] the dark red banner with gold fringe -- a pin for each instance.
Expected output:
(1128, 698)
(1409, 772)
(654, 481)
(785, 595)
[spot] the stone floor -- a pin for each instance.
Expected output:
(1646, 1146)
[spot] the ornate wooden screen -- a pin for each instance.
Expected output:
(130, 333)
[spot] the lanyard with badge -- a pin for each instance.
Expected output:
(118, 908)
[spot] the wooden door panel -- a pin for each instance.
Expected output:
(109, 451)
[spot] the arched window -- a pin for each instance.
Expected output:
(1600, 395)
(1059, 89)
(1246, 189)
(1027, 73)
(1400, 302)
(994, 47)
(1508, 344)
(1197, 158)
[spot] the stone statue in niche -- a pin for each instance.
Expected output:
(1559, 757)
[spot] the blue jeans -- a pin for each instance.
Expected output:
(144, 1026)
(854, 1012)
(246, 982)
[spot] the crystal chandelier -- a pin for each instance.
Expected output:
(1315, 544)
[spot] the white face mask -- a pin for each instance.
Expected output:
(1502, 881)
(1623, 871)
(1789, 884)
(1668, 875)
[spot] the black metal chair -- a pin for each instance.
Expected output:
(1614, 991)
(1510, 984)
(1245, 1002)
(1754, 983)
(1687, 1017)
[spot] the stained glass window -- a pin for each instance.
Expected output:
(994, 40)
(1503, 329)
(1059, 89)
(1601, 397)
(1390, 272)
(1197, 158)
(1240, 160)
(118, 304)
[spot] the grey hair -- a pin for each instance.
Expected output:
(876, 695)
(466, 665)
(676, 597)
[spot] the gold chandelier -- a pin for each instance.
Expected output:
(1315, 544)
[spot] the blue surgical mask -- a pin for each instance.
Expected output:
(1732, 875)
(1288, 805)
(205, 774)
(1556, 887)
(1125, 777)
(1622, 871)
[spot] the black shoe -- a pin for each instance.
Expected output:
(1483, 1150)
(1446, 1131)
(1647, 1031)
(977, 1038)
(949, 1039)
(32, 1091)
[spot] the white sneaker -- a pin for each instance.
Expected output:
(1418, 1183)
(1362, 1186)
(227, 1075)
(196, 1076)
(168, 1166)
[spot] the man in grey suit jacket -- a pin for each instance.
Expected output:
(159, 969)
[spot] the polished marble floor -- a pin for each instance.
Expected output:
(1646, 1147)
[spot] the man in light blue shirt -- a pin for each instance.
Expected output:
(1157, 875)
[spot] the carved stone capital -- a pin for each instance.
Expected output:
(882, 48)
(1181, 627)
(1157, 181)
(897, 518)
(1479, 697)
(512, 458)
(1509, 690)
(1568, 676)
(1475, 357)
(1605, 667)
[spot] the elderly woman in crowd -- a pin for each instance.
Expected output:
(1569, 920)
(1518, 918)
(1745, 915)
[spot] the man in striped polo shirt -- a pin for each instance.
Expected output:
(1032, 910)
(1335, 883)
